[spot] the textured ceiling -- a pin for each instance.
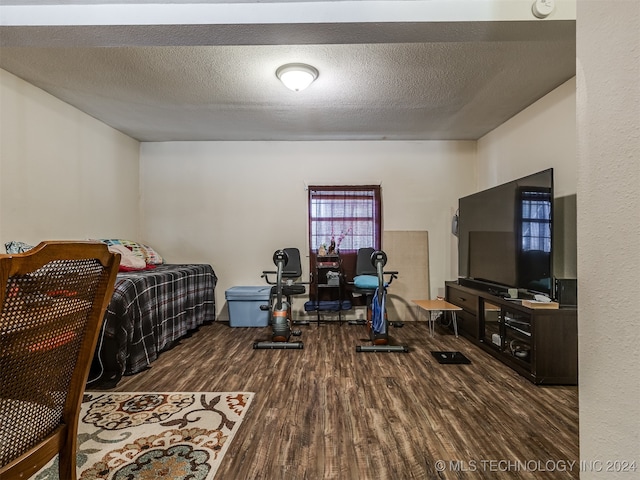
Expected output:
(396, 80)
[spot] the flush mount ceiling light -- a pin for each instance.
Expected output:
(296, 76)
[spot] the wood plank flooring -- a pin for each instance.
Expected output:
(328, 412)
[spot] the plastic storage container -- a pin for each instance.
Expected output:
(244, 306)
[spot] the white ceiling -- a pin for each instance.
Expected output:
(404, 70)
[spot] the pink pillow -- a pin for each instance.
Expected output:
(128, 259)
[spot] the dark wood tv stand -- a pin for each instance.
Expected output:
(539, 343)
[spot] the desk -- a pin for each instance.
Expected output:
(439, 306)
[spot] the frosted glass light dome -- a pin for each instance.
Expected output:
(296, 76)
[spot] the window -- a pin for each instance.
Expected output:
(536, 221)
(350, 215)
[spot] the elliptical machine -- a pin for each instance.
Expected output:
(377, 319)
(280, 312)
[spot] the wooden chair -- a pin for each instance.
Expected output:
(53, 299)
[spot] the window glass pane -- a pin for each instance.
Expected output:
(349, 215)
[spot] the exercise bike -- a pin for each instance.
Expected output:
(280, 318)
(377, 319)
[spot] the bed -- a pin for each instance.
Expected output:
(153, 306)
(150, 311)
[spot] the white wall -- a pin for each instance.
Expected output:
(541, 136)
(608, 118)
(63, 174)
(232, 204)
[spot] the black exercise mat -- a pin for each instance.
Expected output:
(450, 358)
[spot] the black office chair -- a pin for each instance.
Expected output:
(291, 283)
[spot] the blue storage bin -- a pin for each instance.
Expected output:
(244, 306)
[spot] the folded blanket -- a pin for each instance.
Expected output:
(128, 260)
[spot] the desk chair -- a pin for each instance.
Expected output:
(53, 300)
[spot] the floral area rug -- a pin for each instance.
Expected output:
(174, 435)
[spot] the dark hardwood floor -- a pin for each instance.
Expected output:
(328, 412)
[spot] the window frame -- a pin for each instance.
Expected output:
(343, 193)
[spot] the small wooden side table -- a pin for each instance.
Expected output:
(439, 306)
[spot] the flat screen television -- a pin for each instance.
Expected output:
(505, 236)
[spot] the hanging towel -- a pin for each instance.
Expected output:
(378, 324)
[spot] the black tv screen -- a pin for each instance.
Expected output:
(505, 234)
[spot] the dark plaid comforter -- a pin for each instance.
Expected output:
(149, 311)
